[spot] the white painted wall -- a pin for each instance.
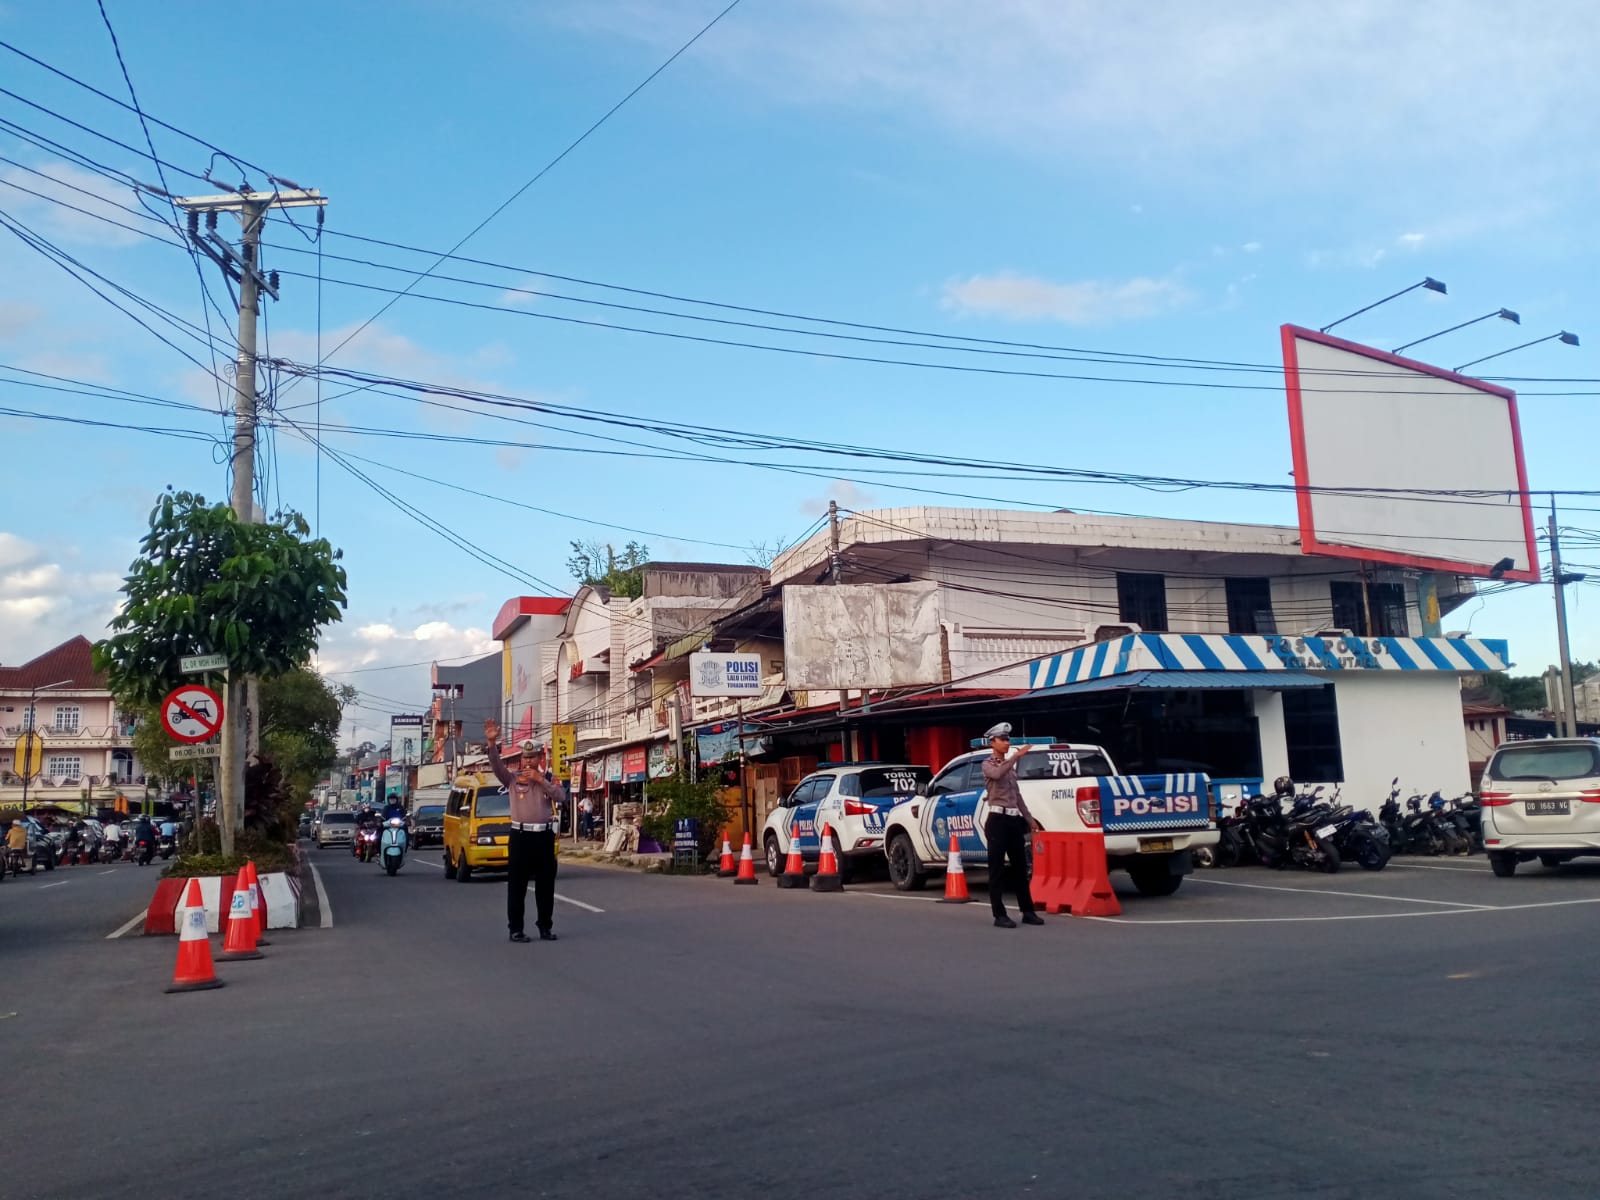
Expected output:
(1405, 723)
(1268, 707)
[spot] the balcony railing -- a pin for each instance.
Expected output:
(102, 734)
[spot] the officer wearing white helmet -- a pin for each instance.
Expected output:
(1007, 828)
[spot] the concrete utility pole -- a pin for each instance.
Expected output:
(240, 729)
(1568, 726)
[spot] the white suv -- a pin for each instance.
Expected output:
(852, 799)
(1541, 799)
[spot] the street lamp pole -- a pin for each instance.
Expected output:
(1569, 714)
(1430, 283)
(31, 727)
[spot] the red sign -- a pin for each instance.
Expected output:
(635, 764)
(191, 713)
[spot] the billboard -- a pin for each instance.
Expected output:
(880, 635)
(405, 740)
(725, 675)
(1396, 461)
(563, 744)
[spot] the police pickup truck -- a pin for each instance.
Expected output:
(1151, 822)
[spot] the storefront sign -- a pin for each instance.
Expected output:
(635, 764)
(613, 768)
(725, 674)
(563, 741)
(662, 763)
(686, 834)
(720, 743)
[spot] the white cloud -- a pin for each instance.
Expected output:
(377, 633)
(1251, 247)
(62, 187)
(46, 597)
(1091, 302)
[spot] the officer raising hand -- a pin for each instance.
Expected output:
(1006, 829)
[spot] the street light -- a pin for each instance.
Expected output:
(1430, 283)
(29, 728)
(1505, 314)
(1565, 338)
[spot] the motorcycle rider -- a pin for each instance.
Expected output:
(368, 822)
(113, 841)
(144, 836)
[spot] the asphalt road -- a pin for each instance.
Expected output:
(1259, 1034)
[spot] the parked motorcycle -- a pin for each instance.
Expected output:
(1282, 839)
(392, 845)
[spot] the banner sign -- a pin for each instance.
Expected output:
(613, 768)
(563, 744)
(661, 762)
(725, 675)
(405, 740)
(635, 764)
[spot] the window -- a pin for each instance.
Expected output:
(804, 794)
(1538, 762)
(67, 717)
(1311, 731)
(28, 717)
(1250, 605)
(882, 782)
(68, 766)
(1142, 599)
(963, 777)
(495, 803)
(1352, 600)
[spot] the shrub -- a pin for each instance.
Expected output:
(267, 853)
(686, 799)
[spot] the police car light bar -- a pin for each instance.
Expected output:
(980, 743)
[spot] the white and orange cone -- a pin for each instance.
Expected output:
(240, 931)
(827, 878)
(955, 875)
(794, 869)
(194, 972)
(747, 865)
(726, 869)
(258, 905)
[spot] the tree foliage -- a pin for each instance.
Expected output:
(599, 565)
(1519, 693)
(300, 718)
(206, 582)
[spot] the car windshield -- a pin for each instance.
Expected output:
(493, 804)
(1545, 762)
(339, 818)
(881, 782)
(430, 812)
(1061, 763)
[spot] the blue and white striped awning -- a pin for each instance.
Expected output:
(1190, 681)
(1242, 652)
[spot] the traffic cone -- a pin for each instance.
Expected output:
(194, 972)
(747, 865)
(827, 877)
(240, 942)
(726, 869)
(794, 870)
(258, 905)
(955, 875)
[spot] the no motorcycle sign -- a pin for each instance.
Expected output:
(191, 713)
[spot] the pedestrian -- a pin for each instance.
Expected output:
(532, 850)
(586, 817)
(1007, 828)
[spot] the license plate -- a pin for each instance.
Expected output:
(1155, 846)
(1326, 831)
(1547, 808)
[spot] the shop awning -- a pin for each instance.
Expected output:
(1192, 681)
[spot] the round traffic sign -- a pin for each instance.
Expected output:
(191, 713)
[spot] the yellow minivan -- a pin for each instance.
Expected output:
(477, 827)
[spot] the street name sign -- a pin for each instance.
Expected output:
(195, 664)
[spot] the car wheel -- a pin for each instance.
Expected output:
(904, 870)
(1550, 861)
(1155, 879)
(775, 863)
(463, 871)
(1503, 864)
(845, 871)
(449, 865)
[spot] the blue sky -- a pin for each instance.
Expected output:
(1152, 179)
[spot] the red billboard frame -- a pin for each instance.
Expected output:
(1310, 543)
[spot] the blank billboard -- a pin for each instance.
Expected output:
(1399, 462)
(881, 635)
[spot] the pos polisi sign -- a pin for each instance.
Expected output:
(725, 674)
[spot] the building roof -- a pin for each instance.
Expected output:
(70, 662)
(519, 608)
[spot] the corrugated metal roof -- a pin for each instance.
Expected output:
(1165, 681)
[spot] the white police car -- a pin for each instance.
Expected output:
(851, 799)
(1151, 823)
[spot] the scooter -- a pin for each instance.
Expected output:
(392, 846)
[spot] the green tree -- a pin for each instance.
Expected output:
(1520, 693)
(206, 582)
(597, 565)
(300, 718)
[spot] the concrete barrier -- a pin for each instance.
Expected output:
(280, 892)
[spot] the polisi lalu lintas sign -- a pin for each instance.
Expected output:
(724, 674)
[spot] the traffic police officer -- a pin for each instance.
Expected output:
(1006, 829)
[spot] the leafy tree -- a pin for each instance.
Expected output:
(1520, 693)
(597, 565)
(206, 582)
(300, 718)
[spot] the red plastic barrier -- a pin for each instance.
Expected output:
(158, 918)
(1069, 875)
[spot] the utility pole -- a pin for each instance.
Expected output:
(240, 729)
(1569, 715)
(833, 542)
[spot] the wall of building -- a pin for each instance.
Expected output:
(1400, 723)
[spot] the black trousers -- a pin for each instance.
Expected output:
(1008, 839)
(531, 856)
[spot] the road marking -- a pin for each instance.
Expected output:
(62, 883)
(892, 896)
(112, 871)
(1265, 887)
(323, 906)
(578, 903)
(1434, 912)
(136, 919)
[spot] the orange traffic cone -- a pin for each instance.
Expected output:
(747, 865)
(794, 870)
(258, 905)
(827, 878)
(726, 869)
(240, 942)
(194, 972)
(955, 875)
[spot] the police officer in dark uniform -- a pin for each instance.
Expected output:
(1006, 829)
